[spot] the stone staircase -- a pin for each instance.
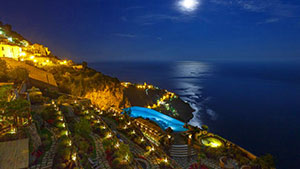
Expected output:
(182, 151)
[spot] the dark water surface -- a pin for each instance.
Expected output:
(254, 104)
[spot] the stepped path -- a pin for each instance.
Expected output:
(47, 160)
(100, 161)
(183, 154)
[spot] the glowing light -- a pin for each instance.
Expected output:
(117, 145)
(34, 60)
(13, 131)
(133, 132)
(32, 57)
(74, 156)
(109, 135)
(214, 145)
(188, 5)
(22, 54)
(10, 39)
(22, 59)
(1, 32)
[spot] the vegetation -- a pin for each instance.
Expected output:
(16, 112)
(4, 92)
(16, 75)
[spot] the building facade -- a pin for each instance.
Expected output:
(10, 51)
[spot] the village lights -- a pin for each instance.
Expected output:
(117, 145)
(190, 136)
(169, 136)
(32, 57)
(166, 160)
(12, 131)
(133, 132)
(1, 32)
(34, 60)
(126, 157)
(10, 39)
(142, 139)
(74, 157)
(109, 135)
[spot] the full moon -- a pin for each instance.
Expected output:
(188, 5)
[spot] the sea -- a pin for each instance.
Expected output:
(255, 104)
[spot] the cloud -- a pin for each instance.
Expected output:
(156, 18)
(271, 7)
(270, 20)
(125, 35)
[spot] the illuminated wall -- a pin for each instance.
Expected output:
(10, 51)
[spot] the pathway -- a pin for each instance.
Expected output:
(100, 161)
(47, 160)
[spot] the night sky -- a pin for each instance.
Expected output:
(100, 30)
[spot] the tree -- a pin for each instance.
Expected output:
(124, 154)
(3, 70)
(84, 65)
(83, 128)
(17, 109)
(204, 127)
(265, 161)
(201, 157)
(19, 74)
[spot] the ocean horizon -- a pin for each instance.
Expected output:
(254, 104)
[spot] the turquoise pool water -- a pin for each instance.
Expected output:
(162, 120)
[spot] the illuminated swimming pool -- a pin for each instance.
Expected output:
(162, 120)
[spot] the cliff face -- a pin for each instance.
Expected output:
(102, 90)
(108, 97)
